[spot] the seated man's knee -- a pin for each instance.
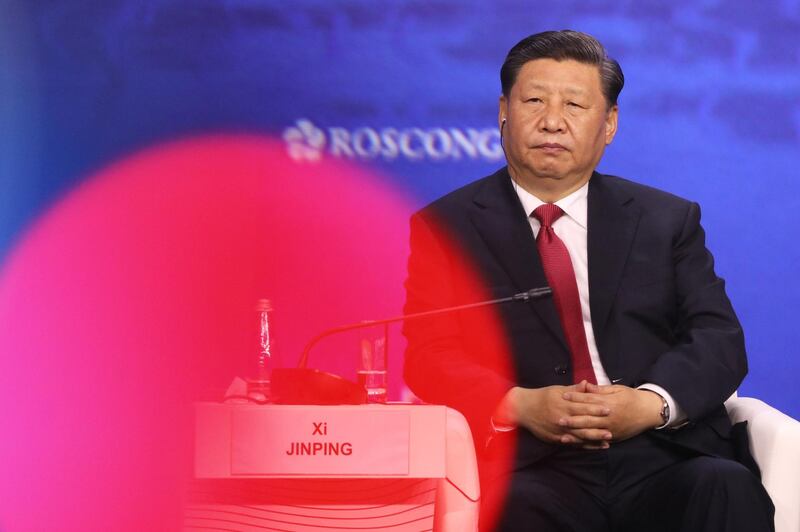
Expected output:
(719, 474)
(548, 503)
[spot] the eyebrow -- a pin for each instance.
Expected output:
(569, 90)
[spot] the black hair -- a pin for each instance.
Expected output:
(563, 45)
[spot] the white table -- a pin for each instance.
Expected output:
(394, 467)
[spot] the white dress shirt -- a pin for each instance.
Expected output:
(571, 228)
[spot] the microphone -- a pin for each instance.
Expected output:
(303, 385)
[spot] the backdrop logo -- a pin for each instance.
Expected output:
(308, 142)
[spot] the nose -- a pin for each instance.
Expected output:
(552, 119)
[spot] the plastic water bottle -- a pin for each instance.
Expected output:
(259, 386)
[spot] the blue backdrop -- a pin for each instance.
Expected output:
(710, 111)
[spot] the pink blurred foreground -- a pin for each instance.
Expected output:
(133, 296)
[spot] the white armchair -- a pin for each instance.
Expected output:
(775, 445)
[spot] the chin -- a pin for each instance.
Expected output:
(548, 172)
(544, 167)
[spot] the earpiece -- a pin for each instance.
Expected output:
(502, 127)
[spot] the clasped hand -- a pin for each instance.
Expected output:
(584, 415)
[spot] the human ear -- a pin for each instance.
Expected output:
(612, 121)
(502, 113)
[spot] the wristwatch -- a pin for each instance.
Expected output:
(664, 413)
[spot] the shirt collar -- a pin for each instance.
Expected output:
(574, 205)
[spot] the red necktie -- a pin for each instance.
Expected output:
(561, 277)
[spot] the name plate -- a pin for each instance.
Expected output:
(330, 441)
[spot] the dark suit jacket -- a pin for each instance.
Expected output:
(659, 312)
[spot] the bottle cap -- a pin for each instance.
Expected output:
(264, 305)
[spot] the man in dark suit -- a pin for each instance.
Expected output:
(612, 390)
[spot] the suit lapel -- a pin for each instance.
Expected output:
(612, 221)
(504, 227)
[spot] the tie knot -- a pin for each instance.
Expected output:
(547, 214)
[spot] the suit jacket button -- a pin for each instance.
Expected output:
(560, 369)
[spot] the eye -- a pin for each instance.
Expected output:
(575, 105)
(534, 100)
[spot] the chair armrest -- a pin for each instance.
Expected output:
(458, 494)
(775, 444)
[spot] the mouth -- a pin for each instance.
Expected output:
(551, 147)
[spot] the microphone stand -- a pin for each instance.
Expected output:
(302, 385)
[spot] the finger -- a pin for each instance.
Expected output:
(587, 409)
(587, 445)
(588, 435)
(606, 389)
(576, 397)
(583, 422)
(578, 388)
(569, 439)
(596, 446)
(592, 388)
(574, 441)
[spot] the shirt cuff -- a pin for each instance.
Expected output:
(496, 428)
(677, 416)
(500, 427)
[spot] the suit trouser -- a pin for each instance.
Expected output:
(641, 484)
